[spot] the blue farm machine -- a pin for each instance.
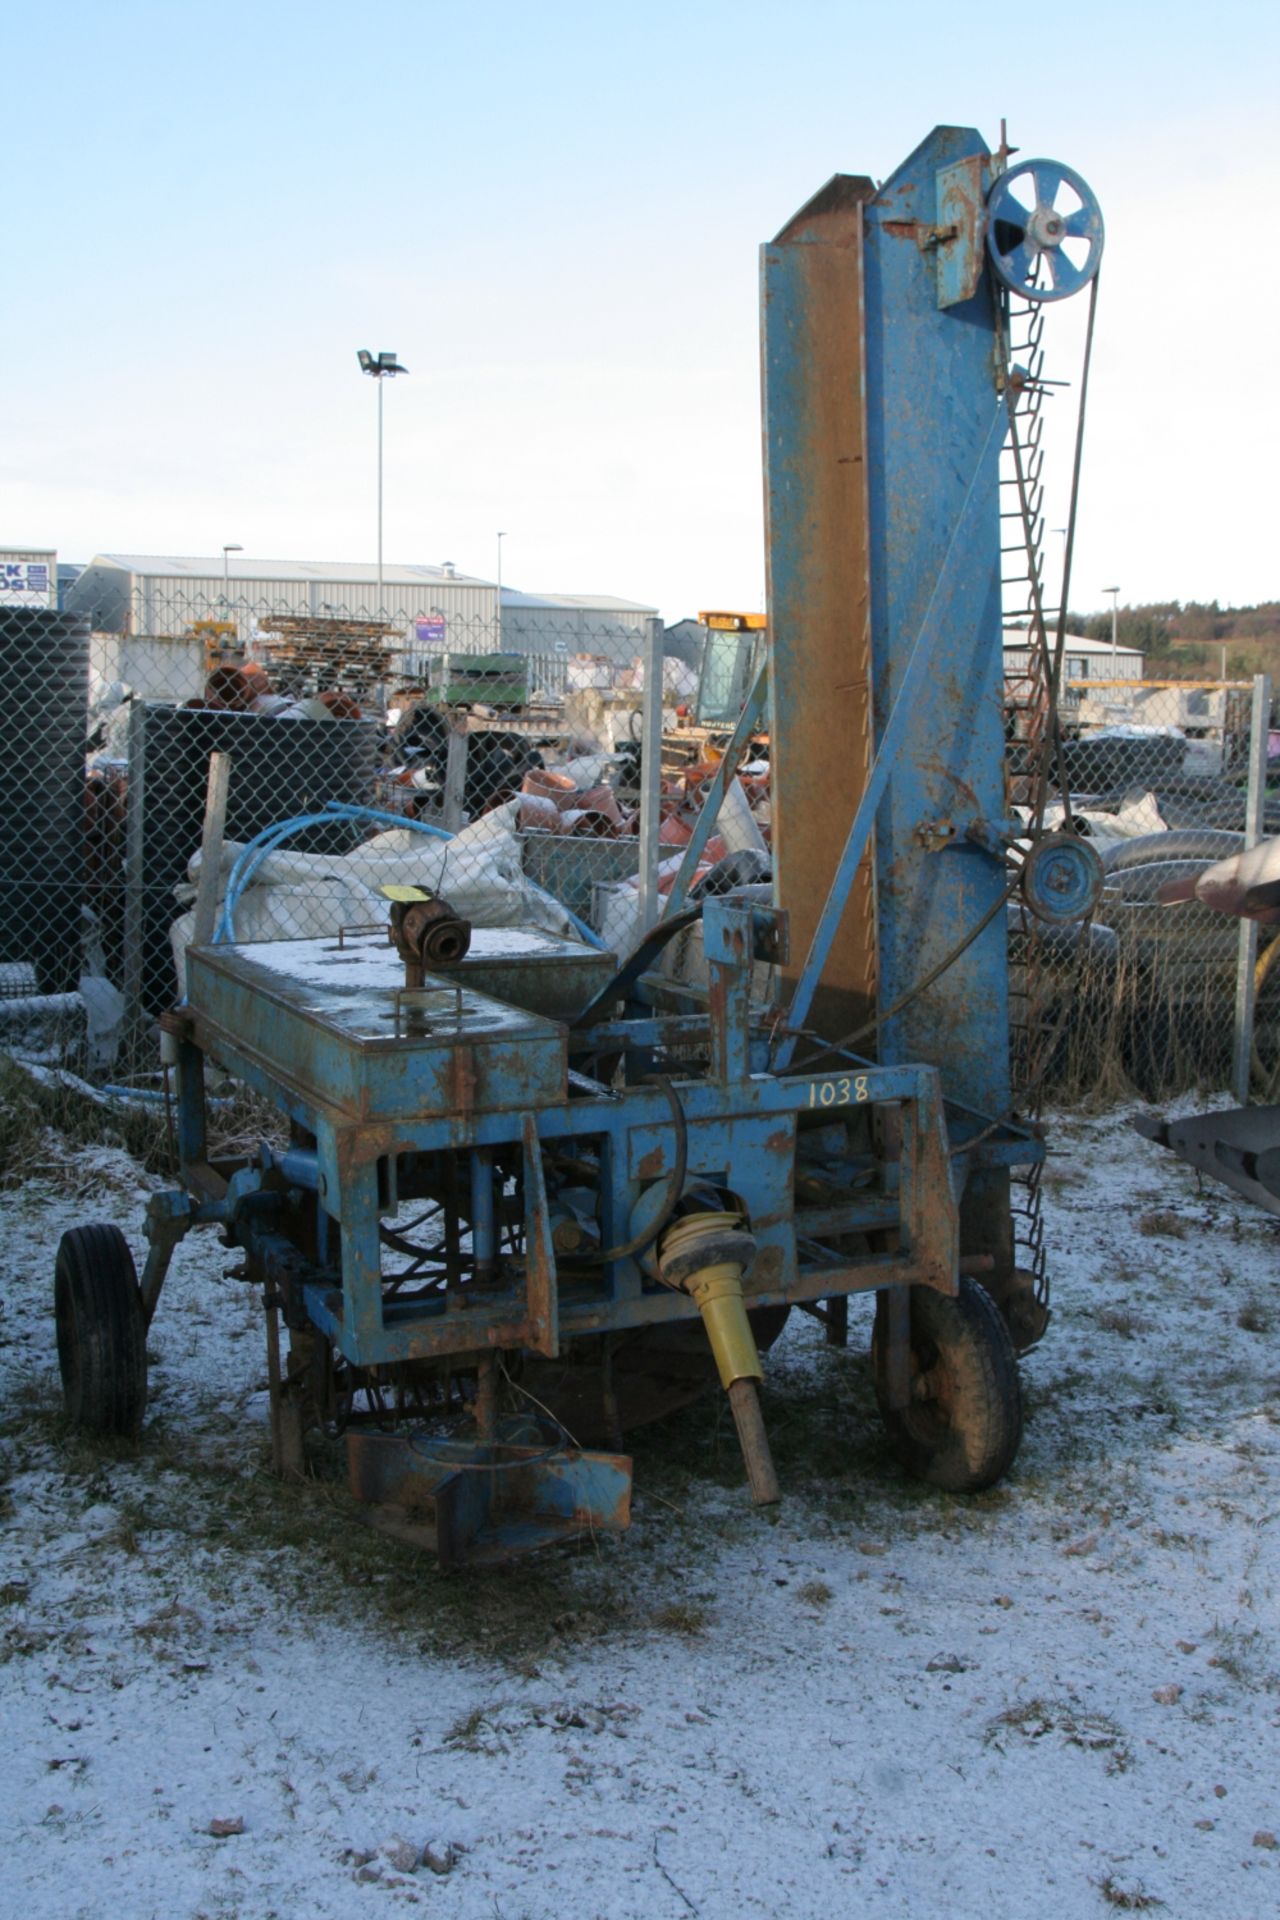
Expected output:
(531, 1193)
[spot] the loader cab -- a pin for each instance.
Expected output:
(733, 651)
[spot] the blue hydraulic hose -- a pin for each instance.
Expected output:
(348, 810)
(250, 858)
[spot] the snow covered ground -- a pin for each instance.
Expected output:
(1059, 1698)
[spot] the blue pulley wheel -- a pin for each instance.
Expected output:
(1038, 250)
(1061, 879)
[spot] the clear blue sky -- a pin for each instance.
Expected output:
(552, 213)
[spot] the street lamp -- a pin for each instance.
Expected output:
(380, 367)
(501, 538)
(1113, 591)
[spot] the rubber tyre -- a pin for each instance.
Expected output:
(965, 1437)
(102, 1333)
(1205, 844)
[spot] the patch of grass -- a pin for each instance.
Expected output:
(1240, 1654)
(815, 1593)
(681, 1616)
(471, 1732)
(133, 1520)
(169, 1622)
(1254, 1317)
(1163, 1224)
(45, 1126)
(240, 1121)
(1174, 1542)
(42, 1124)
(1059, 1179)
(1122, 1320)
(1130, 1899)
(1073, 1726)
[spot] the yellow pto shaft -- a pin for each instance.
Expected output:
(705, 1254)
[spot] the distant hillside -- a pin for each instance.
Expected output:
(1187, 641)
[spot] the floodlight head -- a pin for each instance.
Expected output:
(366, 359)
(387, 363)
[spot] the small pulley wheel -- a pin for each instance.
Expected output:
(1038, 249)
(1061, 879)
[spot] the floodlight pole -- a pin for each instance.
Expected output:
(379, 368)
(379, 606)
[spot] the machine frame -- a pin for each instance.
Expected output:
(615, 1153)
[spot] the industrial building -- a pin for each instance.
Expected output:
(1082, 659)
(150, 605)
(130, 593)
(571, 623)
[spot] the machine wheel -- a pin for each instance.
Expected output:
(102, 1334)
(963, 1426)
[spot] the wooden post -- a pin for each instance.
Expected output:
(215, 820)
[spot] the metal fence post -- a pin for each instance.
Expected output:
(455, 775)
(1259, 728)
(134, 869)
(650, 772)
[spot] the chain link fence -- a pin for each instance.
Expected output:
(1145, 998)
(499, 764)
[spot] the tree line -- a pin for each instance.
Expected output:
(1172, 628)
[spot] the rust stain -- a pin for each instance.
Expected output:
(766, 1271)
(362, 1146)
(463, 1076)
(652, 1164)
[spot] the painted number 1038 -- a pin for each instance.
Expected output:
(849, 1090)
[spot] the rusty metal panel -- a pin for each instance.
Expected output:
(819, 610)
(961, 230)
(929, 1210)
(478, 1504)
